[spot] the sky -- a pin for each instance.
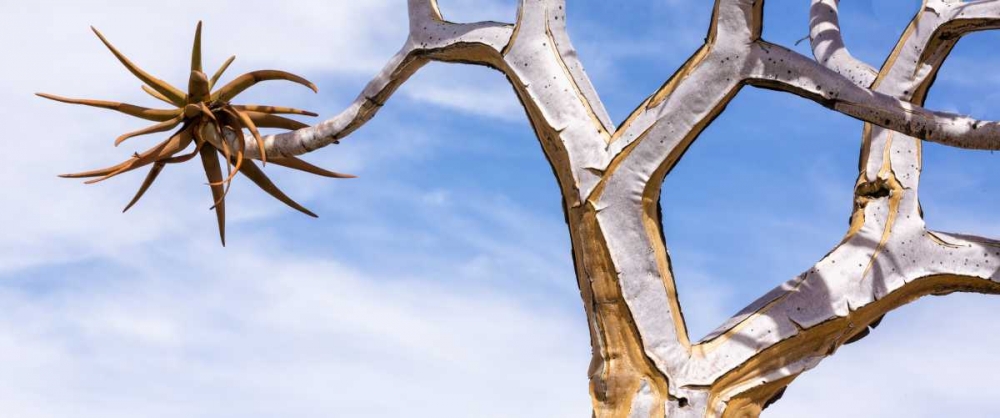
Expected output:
(439, 283)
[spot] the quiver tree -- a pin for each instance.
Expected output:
(644, 362)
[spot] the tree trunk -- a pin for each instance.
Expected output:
(620, 373)
(624, 381)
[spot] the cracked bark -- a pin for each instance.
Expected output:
(644, 363)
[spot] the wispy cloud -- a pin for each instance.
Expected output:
(934, 358)
(470, 91)
(283, 335)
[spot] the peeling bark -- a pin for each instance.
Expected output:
(644, 363)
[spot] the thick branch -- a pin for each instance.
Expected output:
(735, 24)
(799, 323)
(646, 147)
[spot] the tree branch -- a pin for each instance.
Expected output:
(938, 22)
(430, 38)
(828, 44)
(735, 24)
(789, 330)
(778, 68)
(888, 259)
(929, 39)
(536, 56)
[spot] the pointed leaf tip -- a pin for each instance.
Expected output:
(176, 96)
(196, 49)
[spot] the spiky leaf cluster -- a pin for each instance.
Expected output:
(209, 123)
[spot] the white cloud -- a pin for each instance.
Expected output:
(477, 95)
(259, 333)
(935, 358)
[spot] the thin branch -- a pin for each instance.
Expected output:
(535, 55)
(775, 67)
(828, 44)
(474, 43)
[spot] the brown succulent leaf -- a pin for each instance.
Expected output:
(213, 172)
(249, 124)
(240, 155)
(235, 165)
(218, 73)
(196, 50)
(210, 115)
(183, 158)
(232, 123)
(228, 181)
(267, 120)
(302, 165)
(159, 127)
(156, 115)
(255, 174)
(98, 172)
(157, 95)
(163, 150)
(175, 96)
(274, 109)
(248, 80)
(150, 178)
(198, 86)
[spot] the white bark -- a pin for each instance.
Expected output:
(828, 44)
(644, 361)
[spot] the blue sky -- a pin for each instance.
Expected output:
(439, 283)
